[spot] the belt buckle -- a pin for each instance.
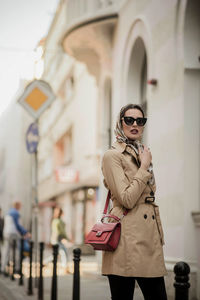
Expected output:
(99, 233)
(149, 199)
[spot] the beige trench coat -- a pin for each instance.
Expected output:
(140, 251)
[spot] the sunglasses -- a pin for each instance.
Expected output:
(130, 121)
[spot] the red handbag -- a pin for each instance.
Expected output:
(105, 236)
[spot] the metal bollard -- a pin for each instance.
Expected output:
(54, 278)
(181, 270)
(21, 282)
(40, 286)
(0, 259)
(76, 277)
(14, 243)
(30, 281)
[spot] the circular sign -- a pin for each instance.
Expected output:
(32, 138)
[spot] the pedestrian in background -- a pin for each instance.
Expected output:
(13, 230)
(59, 235)
(128, 174)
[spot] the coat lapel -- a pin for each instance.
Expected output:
(134, 154)
(123, 147)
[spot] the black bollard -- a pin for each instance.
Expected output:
(21, 282)
(181, 270)
(54, 278)
(76, 277)
(0, 259)
(30, 281)
(14, 243)
(40, 286)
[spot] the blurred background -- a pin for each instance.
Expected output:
(96, 56)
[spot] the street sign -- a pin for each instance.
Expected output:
(36, 97)
(32, 138)
(66, 174)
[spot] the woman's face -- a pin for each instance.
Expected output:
(133, 132)
(56, 212)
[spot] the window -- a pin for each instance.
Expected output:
(63, 150)
(67, 89)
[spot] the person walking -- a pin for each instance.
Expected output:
(13, 230)
(59, 236)
(128, 174)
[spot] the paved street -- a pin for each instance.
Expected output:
(91, 288)
(92, 284)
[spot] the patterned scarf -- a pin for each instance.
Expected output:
(134, 144)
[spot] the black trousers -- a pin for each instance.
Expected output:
(122, 288)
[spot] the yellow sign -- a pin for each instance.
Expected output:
(36, 98)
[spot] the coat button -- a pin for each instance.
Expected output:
(153, 217)
(145, 216)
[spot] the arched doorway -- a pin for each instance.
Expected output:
(192, 92)
(192, 121)
(137, 76)
(192, 35)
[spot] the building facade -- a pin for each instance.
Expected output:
(68, 161)
(117, 52)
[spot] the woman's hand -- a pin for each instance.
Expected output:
(27, 235)
(66, 243)
(145, 157)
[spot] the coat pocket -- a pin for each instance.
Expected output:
(159, 224)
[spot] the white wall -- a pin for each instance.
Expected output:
(17, 161)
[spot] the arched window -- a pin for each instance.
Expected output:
(192, 35)
(137, 76)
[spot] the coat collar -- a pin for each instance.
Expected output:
(122, 147)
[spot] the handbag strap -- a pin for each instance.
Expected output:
(107, 203)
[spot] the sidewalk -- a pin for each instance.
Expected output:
(92, 284)
(90, 289)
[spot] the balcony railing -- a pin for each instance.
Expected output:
(83, 10)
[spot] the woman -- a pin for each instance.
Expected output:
(58, 234)
(128, 174)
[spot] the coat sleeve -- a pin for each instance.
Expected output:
(19, 227)
(126, 193)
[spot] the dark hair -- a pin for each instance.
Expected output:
(57, 212)
(130, 106)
